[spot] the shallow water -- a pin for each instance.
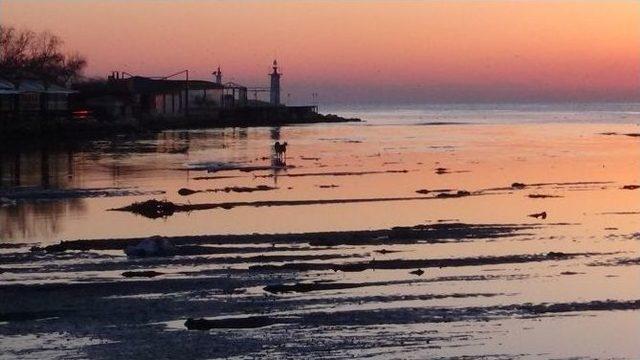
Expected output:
(477, 156)
(447, 312)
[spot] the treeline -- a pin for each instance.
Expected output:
(37, 55)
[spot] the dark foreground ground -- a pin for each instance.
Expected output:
(337, 294)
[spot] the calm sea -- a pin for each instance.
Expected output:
(618, 113)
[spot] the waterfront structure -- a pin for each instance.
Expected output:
(139, 95)
(8, 94)
(235, 95)
(275, 85)
(126, 96)
(22, 98)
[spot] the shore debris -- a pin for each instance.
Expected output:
(228, 189)
(520, 186)
(444, 171)
(219, 177)
(328, 286)
(541, 215)
(427, 191)
(459, 193)
(144, 274)
(623, 134)
(385, 251)
(571, 273)
(309, 287)
(152, 209)
(244, 189)
(339, 173)
(331, 186)
(150, 248)
(187, 192)
(232, 323)
(214, 167)
(542, 196)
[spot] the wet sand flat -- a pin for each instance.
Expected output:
(381, 241)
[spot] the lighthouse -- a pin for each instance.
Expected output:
(275, 85)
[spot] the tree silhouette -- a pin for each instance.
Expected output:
(27, 54)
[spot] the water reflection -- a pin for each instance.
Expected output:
(36, 221)
(44, 167)
(122, 161)
(275, 133)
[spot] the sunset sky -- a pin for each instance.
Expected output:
(363, 51)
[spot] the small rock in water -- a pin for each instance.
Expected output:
(151, 247)
(385, 251)
(186, 192)
(152, 209)
(542, 215)
(418, 272)
(570, 273)
(517, 185)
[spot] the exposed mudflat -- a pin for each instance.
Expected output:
(335, 282)
(157, 208)
(430, 233)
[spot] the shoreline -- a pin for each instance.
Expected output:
(93, 129)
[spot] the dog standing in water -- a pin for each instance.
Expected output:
(280, 151)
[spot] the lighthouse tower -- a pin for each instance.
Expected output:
(218, 75)
(275, 85)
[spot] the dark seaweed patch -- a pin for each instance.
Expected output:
(420, 263)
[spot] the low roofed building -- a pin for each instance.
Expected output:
(28, 97)
(8, 95)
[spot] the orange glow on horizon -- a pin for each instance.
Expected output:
(364, 50)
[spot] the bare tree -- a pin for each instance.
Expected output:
(25, 53)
